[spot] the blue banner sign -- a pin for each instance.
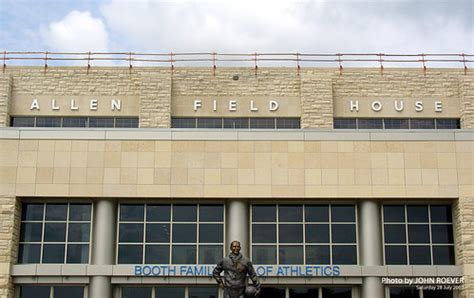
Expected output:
(262, 270)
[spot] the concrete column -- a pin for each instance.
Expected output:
(370, 246)
(237, 225)
(103, 245)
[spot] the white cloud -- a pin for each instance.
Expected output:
(77, 31)
(279, 26)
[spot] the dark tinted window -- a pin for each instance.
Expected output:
(23, 121)
(130, 254)
(157, 254)
(290, 213)
(404, 293)
(369, 123)
(209, 122)
(318, 254)
(317, 233)
(184, 212)
(337, 292)
(264, 254)
(132, 212)
(419, 254)
(288, 123)
(263, 233)
(443, 255)
(345, 123)
(343, 213)
(35, 291)
(32, 211)
(441, 213)
(394, 213)
(396, 123)
(210, 254)
(126, 122)
(68, 292)
(304, 292)
(344, 255)
(202, 292)
(183, 122)
(290, 233)
(212, 213)
(48, 122)
(291, 254)
(273, 292)
(158, 212)
(262, 123)
(134, 292)
(169, 292)
(447, 124)
(236, 123)
(263, 213)
(422, 124)
(437, 294)
(417, 213)
(395, 255)
(75, 122)
(184, 254)
(395, 234)
(101, 122)
(184, 233)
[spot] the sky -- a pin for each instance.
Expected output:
(244, 26)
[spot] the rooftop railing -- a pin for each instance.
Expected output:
(255, 60)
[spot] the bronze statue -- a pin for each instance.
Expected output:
(236, 267)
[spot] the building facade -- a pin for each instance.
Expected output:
(118, 182)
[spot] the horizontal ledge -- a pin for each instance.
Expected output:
(236, 135)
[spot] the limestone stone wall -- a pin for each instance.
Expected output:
(9, 235)
(155, 99)
(5, 90)
(467, 102)
(316, 99)
(464, 242)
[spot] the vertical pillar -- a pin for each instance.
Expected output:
(237, 225)
(370, 245)
(103, 246)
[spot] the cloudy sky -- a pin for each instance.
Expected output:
(244, 26)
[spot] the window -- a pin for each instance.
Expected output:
(104, 122)
(55, 233)
(304, 234)
(170, 292)
(396, 292)
(396, 123)
(51, 292)
(170, 233)
(236, 123)
(418, 235)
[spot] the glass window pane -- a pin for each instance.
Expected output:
(158, 212)
(316, 213)
(236, 123)
(68, 292)
(288, 123)
(395, 255)
(443, 255)
(31, 232)
(35, 291)
(80, 212)
(292, 213)
(344, 255)
(272, 292)
(342, 233)
(183, 122)
(169, 292)
(130, 254)
(290, 233)
(447, 124)
(337, 292)
(304, 293)
(442, 233)
(202, 292)
(32, 211)
(417, 213)
(262, 123)
(53, 253)
(23, 121)
(291, 254)
(393, 213)
(418, 234)
(184, 233)
(158, 233)
(78, 232)
(264, 233)
(396, 123)
(48, 122)
(131, 232)
(317, 233)
(126, 122)
(263, 213)
(404, 293)
(345, 123)
(55, 232)
(184, 254)
(211, 233)
(29, 253)
(437, 294)
(209, 122)
(264, 254)
(157, 254)
(101, 122)
(318, 254)
(369, 123)
(56, 212)
(184, 212)
(441, 213)
(420, 255)
(77, 254)
(131, 212)
(74, 121)
(134, 292)
(343, 213)
(210, 254)
(422, 124)
(212, 213)
(395, 233)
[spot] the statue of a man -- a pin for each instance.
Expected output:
(236, 267)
